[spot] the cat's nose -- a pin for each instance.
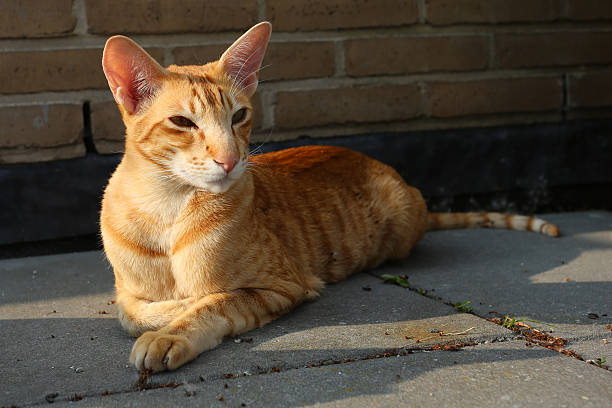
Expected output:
(227, 163)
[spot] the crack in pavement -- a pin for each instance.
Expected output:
(146, 381)
(531, 335)
(146, 378)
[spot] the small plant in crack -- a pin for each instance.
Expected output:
(398, 280)
(424, 292)
(509, 323)
(599, 362)
(464, 307)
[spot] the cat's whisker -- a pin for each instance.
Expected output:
(239, 51)
(245, 88)
(233, 88)
(269, 137)
(262, 67)
(245, 78)
(256, 150)
(239, 88)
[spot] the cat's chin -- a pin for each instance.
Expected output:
(216, 187)
(207, 183)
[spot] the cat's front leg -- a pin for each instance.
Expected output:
(138, 315)
(204, 325)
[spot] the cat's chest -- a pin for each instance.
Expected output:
(161, 224)
(153, 266)
(180, 249)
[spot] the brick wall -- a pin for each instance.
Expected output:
(334, 67)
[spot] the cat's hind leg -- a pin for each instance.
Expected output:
(403, 212)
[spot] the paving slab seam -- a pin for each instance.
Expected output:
(146, 379)
(531, 335)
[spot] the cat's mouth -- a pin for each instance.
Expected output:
(209, 179)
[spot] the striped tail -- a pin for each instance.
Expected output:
(438, 221)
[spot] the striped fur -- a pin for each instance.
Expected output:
(202, 250)
(438, 221)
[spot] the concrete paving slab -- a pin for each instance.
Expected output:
(64, 338)
(495, 375)
(58, 340)
(563, 285)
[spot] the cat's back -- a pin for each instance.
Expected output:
(336, 210)
(316, 165)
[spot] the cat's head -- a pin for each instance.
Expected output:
(192, 122)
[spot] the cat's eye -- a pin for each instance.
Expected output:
(182, 121)
(238, 116)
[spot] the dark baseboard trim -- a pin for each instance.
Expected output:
(81, 243)
(536, 168)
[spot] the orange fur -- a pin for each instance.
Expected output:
(208, 242)
(491, 220)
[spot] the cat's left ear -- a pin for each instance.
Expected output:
(242, 60)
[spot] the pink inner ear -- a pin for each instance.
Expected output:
(121, 91)
(243, 59)
(133, 76)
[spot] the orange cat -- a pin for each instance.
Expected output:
(207, 242)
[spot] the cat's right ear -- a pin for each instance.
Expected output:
(133, 75)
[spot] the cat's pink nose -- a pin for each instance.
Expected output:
(227, 163)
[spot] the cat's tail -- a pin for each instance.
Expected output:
(441, 221)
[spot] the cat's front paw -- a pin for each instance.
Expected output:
(161, 351)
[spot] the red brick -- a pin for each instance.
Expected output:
(107, 127)
(309, 15)
(27, 18)
(444, 12)
(57, 70)
(494, 96)
(169, 16)
(552, 49)
(198, 54)
(592, 89)
(298, 60)
(408, 55)
(257, 111)
(41, 125)
(283, 60)
(347, 105)
(589, 9)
